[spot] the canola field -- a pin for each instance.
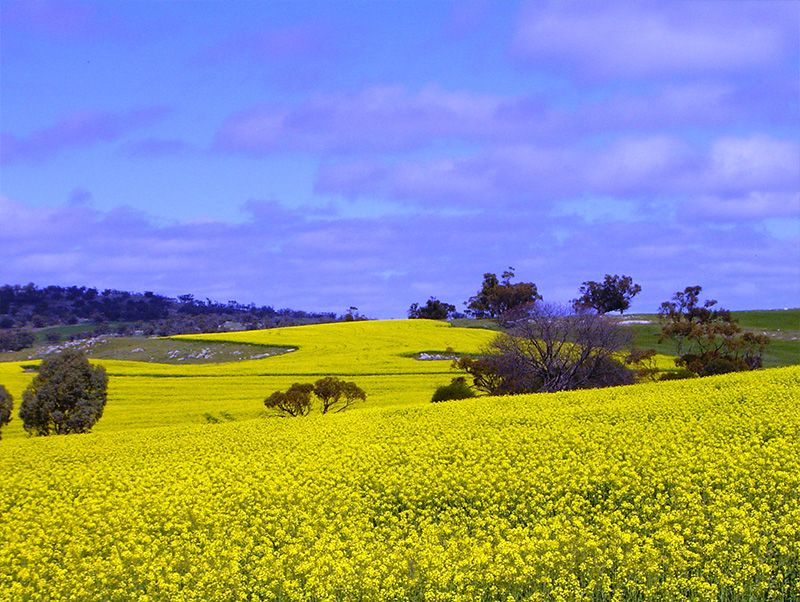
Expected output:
(681, 490)
(380, 356)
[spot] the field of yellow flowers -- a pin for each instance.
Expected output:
(681, 490)
(380, 356)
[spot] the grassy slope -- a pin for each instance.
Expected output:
(368, 347)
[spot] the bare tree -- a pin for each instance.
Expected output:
(550, 348)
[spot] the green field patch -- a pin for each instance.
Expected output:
(154, 350)
(769, 319)
(782, 326)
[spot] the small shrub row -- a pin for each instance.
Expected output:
(334, 394)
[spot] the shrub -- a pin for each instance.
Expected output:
(15, 340)
(457, 389)
(707, 339)
(678, 374)
(333, 391)
(296, 401)
(605, 371)
(721, 365)
(6, 405)
(643, 361)
(68, 395)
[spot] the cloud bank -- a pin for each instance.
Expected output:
(410, 150)
(289, 258)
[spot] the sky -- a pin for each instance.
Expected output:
(322, 155)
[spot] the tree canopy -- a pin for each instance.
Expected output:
(30, 306)
(432, 310)
(499, 295)
(336, 393)
(333, 393)
(68, 395)
(613, 294)
(295, 401)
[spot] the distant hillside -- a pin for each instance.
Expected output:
(78, 310)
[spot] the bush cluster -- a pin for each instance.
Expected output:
(6, 406)
(14, 340)
(334, 394)
(457, 389)
(707, 339)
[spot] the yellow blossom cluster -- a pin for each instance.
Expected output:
(681, 490)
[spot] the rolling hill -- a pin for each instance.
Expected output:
(678, 490)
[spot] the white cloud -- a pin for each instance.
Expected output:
(754, 206)
(382, 265)
(655, 38)
(755, 161)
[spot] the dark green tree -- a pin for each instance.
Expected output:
(432, 310)
(338, 393)
(499, 295)
(15, 340)
(707, 339)
(67, 396)
(457, 389)
(295, 401)
(613, 294)
(6, 406)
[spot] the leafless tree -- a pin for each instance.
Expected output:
(551, 348)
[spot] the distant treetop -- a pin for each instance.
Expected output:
(432, 310)
(613, 294)
(499, 295)
(30, 306)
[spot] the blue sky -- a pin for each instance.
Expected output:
(318, 155)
